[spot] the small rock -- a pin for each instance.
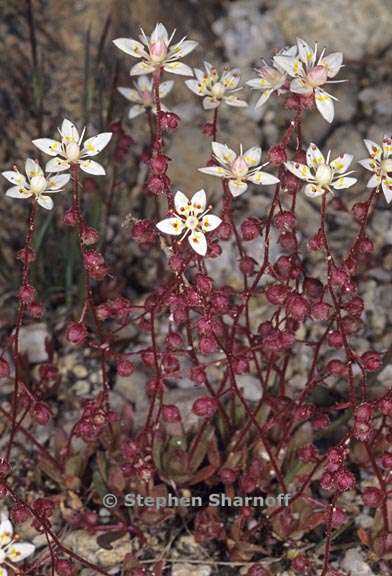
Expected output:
(354, 563)
(32, 340)
(80, 371)
(190, 570)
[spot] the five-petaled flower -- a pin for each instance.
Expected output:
(271, 78)
(11, 551)
(36, 184)
(216, 89)
(321, 174)
(309, 74)
(142, 95)
(70, 151)
(156, 53)
(380, 162)
(239, 169)
(191, 219)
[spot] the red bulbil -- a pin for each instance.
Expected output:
(345, 480)
(4, 368)
(124, 367)
(250, 229)
(26, 294)
(320, 311)
(372, 497)
(360, 210)
(204, 283)
(76, 332)
(198, 375)
(70, 217)
(170, 414)
(41, 413)
(63, 567)
(277, 294)
(247, 265)
(205, 407)
(207, 345)
(89, 236)
(371, 361)
(335, 339)
(277, 155)
(297, 307)
(285, 221)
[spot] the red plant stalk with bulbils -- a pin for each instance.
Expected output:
(274, 314)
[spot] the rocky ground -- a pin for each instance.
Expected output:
(65, 64)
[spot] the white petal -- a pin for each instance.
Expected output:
(231, 78)
(263, 98)
(142, 68)
(237, 187)
(314, 157)
(299, 170)
(56, 165)
(215, 171)
(18, 192)
(313, 191)
(299, 86)
(306, 53)
(95, 145)
(333, 63)
(6, 531)
(210, 222)
(182, 48)
(69, 131)
(263, 178)
(131, 47)
(258, 83)
(234, 101)
(387, 146)
(144, 84)
(14, 177)
(57, 182)
(182, 203)
(20, 551)
(374, 149)
(130, 94)
(173, 226)
(45, 201)
(135, 111)
(165, 88)
(343, 182)
(210, 103)
(223, 153)
(47, 145)
(195, 86)
(324, 104)
(289, 64)
(159, 34)
(252, 156)
(199, 202)
(178, 68)
(92, 167)
(387, 189)
(374, 181)
(198, 242)
(32, 168)
(369, 164)
(341, 163)
(3, 571)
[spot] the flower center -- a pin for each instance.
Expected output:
(191, 222)
(239, 167)
(37, 184)
(218, 90)
(317, 76)
(72, 151)
(324, 175)
(158, 51)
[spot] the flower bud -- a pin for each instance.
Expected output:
(5, 468)
(124, 367)
(19, 514)
(345, 480)
(320, 311)
(277, 155)
(385, 406)
(4, 368)
(159, 164)
(26, 294)
(227, 475)
(360, 210)
(41, 413)
(63, 567)
(285, 221)
(76, 332)
(372, 497)
(258, 570)
(170, 414)
(70, 217)
(198, 374)
(335, 339)
(247, 265)
(336, 368)
(176, 263)
(205, 407)
(297, 307)
(224, 231)
(204, 284)
(169, 120)
(387, 460)
(250, 229)
(156, 185)
(36, 310)
(89, 236)
(371, 361)
(207, 345)
(277, 294)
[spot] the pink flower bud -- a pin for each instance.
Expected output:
(19, 514)
(26, 294)
(363, 412)
(204, 284)
(258, 570)
(327, 481)
(365, 246)
(345, 480)
(250, 229)
(360, 210)
(224, 231)
(198, 374)
(63, 567)
(387, 460)
(277, 155)
(5, 468)
(336, 368)
(372, 497)
(36, 309)
(205, 407)
(320, 311)
(22, 254)
(170, 414)
(317, 242)
(156, 185)
(76, 332)
(313, 288)
(207, 345)
(335, 339)
(385, 406)
(159, 164)
(308, 454)
(70, 217)
(247, 265)
(89, 236)
(227, 475)
(339, 517)
(41, 413)
(288, 241)
(277, 294)
(371, 361)
(297, 307)
(124, 367)
(169, 121)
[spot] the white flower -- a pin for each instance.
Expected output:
(36, 184)
(322, 175)
(155, 52)
(380, 162)
(271, 78)
(70, 151)
(142, 95)
(239, 169)
(15, 552)
(308, 75)
(191, 219)
(215, 89)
